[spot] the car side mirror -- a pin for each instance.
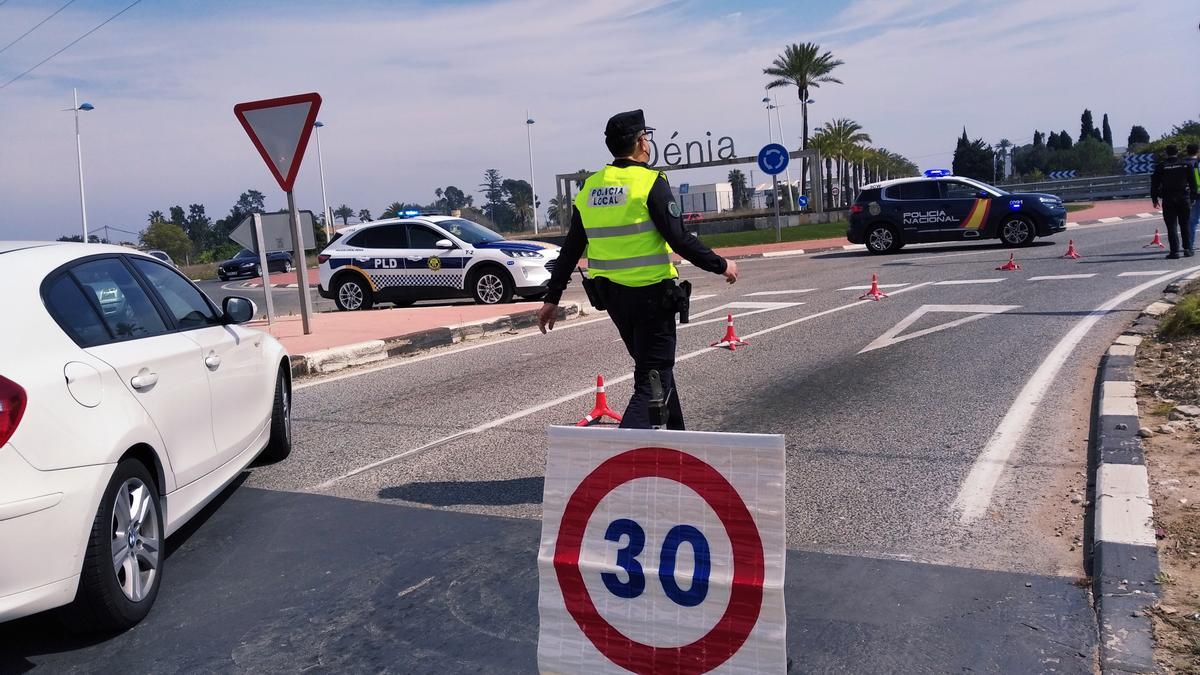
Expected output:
(444, 243)
(238, 309)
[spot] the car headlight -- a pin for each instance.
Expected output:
(513, 253)
(1050, 201)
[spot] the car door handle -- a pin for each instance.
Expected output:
(144, 380)
(212, 361)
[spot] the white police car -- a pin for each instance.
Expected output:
(402, 260)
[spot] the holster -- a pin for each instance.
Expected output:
(679, 299)
(593, 294)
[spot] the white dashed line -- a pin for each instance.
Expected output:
(798, 290)
(1056, 277)
(963, 282)
(1150, 273)
(868, 287)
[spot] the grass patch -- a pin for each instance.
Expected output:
(1078, 207)
(1163, 409)
(1183, 320)
(797, 233)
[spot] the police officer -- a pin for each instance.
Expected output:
(1193, 160)
(1173, 181)
(629, 223)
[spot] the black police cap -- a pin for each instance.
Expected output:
(625, 124)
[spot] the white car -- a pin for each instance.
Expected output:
(402, 260)
(128, 400)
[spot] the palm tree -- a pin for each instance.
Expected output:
(156, 217)
(344, 212)
(823, 143)
(845, 137)
(364, 216)
(803, 66)
(558, 206)
(737, 181)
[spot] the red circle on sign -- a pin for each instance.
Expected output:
(745, 598)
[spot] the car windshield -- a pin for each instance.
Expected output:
(470, 232)
(994, 191)
(245, 253)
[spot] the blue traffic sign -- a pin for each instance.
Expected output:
(683, 188)
(773, 159)
(802, 201)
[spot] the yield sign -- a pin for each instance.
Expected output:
(976, 313)
(280, 128)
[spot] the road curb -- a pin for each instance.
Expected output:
(325, 361)
(1124, 548)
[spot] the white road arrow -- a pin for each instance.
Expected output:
(976, 312)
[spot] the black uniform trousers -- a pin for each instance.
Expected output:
(647, 326)
(1175, 210)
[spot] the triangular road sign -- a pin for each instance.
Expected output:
(279, 128)
(976, 312)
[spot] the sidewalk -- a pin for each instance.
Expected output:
(343, 339)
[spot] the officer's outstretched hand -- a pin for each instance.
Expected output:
(547, 315)
(731, 271)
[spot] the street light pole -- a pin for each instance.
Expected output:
(324, 200)
(79, 158)
(770, 131)
(788, 170)
(532, 181)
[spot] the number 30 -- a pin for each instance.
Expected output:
(627, 560)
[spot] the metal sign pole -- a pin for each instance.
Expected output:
(264, 269)
(301, 265)
(778, 227)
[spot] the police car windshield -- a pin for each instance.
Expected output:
(470, 232)
(990, 189)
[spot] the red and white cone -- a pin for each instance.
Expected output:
(1156, 242)
(601, 408)
(1071, 252)
(1011, 265)
(731, 340)
(874, 293)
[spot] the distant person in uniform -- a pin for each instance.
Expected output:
(1174, 183)
(628, 221)
(1193, 159)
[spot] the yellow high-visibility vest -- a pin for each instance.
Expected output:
(624, 246)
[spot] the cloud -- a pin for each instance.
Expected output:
(419, 96)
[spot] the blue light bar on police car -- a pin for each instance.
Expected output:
(936, 173)
(410, 214)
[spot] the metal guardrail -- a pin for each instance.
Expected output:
(1089, 189)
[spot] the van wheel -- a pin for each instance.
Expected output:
(122, 565)
(490, 286)
(882, 239)
(352, 293)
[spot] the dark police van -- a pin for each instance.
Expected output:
(942, 207)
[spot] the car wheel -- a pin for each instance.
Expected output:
(491, 286)
(257, 271)
(1016, 231)
(287, 266)
(222, 277)
(352, 294)
(279, 445)
(882, 239)
(122, 565)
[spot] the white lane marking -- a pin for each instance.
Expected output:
(1124, 514)
(1118, 398)
(780, 254)
(977, 312)
(1147, 273)
(415, 587)
(591, 390)
(791, 292)
(960, 282)
(975, 493)
(868, 286)
(703, 296)
(1058, 277)
(745, 304)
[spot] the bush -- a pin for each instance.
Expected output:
(1183, 320)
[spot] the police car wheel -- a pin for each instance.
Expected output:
(491, 286)
(352, 294)
(882, 239)
(1016, 231)
(279, 445)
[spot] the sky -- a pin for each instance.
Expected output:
(419, 95)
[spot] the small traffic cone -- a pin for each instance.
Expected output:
(601, 408)
(874, 293)
(1011, 265)
(1156, 242)
(1071, 252)
(731, 340)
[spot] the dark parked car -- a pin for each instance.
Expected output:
(245, 263)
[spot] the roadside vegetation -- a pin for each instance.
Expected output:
(767, 236)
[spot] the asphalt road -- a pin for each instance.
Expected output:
(929, 514)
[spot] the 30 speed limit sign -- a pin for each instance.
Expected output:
(662, 552)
